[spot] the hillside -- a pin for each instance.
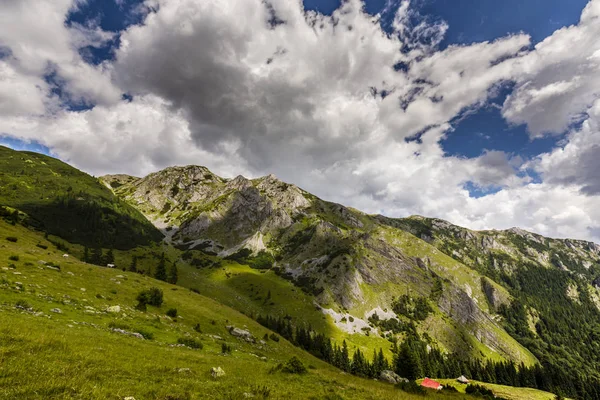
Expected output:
(60, 321)
(351, 265)
(494, 295)
(63, 201)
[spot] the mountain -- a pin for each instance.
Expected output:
(500, 295)
(417, 295)
(61, 200)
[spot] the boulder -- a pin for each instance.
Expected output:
(114, 309)
(241, 333)
(56, 310)
(391, 377)
(217, 372)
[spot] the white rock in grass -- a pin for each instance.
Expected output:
(56, 310)
(129, 398)
(217, 372)
(83, 289)
(114, 309)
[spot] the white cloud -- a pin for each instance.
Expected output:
(559, 79)
(40, 43)
(314, 99)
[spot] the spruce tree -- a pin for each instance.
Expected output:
(161, 269)
(173, 275)
(109, 257)
(96, 257)
(345, 357)
(133, 265)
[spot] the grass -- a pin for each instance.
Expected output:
(79, 356)
(506, 392)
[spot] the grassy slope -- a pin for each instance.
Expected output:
(76, 356)
(69, 203)
(506, 392)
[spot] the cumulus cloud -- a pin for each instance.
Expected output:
(559, 79)
(334, 104)
(40, 46)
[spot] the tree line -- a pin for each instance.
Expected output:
(414, 358)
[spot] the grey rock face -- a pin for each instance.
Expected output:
(391, 377)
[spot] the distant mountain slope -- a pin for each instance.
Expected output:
(354, 266)
(66, 202)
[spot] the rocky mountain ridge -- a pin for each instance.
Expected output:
(357, 265)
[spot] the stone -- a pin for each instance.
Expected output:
(184, 371)
(83, 289)
(129, 398)
(56, 310)
(217, 372)
(114, 309)
(241, 333)
(391, 377)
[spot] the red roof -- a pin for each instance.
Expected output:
(430, 383)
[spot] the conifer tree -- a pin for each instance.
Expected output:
(161, 269)
(133, 265)
(173, 275)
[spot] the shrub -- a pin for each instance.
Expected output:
(152, 296)
(197, 328)
(294, 366)
(22, 304)
(12, 239)
(274, 337)
(118, 325)
(411, 387)
(190, 342)
(225, 348)
(13, 258)
(145, 333)
(42, 246)
(172, 312)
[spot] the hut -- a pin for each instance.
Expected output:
(462, 379)
(431, 384)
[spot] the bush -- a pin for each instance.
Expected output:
(480, 391)
(22, 304)
(197, 328)
(145, 333)
(42, 246)
(225, 348)
(190, 342)
(152, 297)
(274, 337)
(12, 239)
(294, 366)
(411, 387)
(172, 312)
(118, 325)
(13, 258)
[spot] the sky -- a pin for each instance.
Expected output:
(480, 112)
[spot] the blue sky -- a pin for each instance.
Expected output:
(490, 127)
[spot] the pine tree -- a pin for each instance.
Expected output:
(109, 257)
(133, 265)
(173, 275)
(345, 357)
(161, 269)
(96, 256)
